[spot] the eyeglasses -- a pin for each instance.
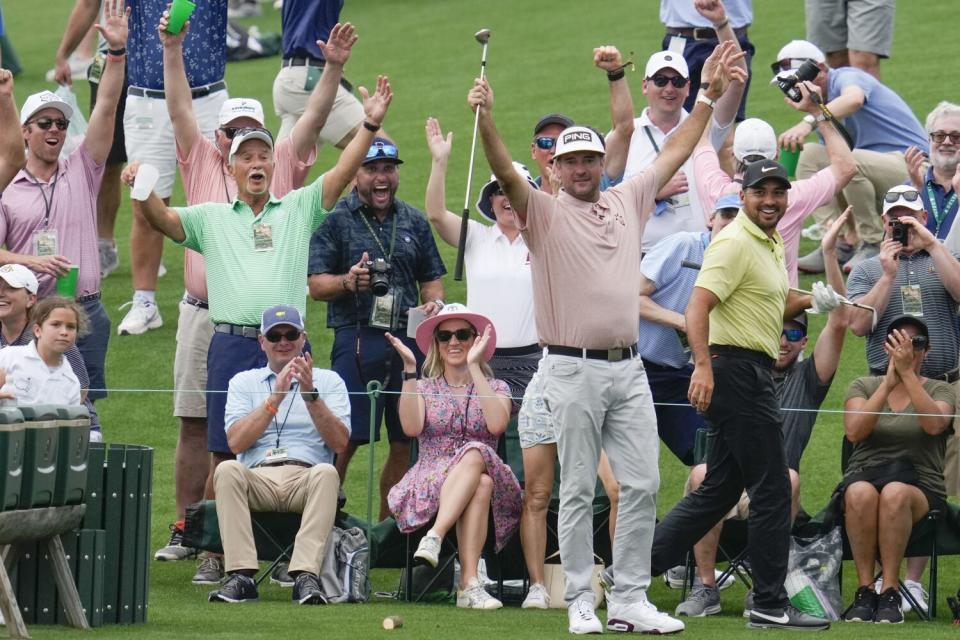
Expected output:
(545, 142)
(896, 196)
(787, 64)
(230, 132)
(292, 335)
(382, 150)
(462, 335)
(661, 80)
(940, 136)
(46, 123)
(793, 335)
(919, 342)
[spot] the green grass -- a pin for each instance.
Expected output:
(539, 61)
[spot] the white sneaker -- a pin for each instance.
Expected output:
(675, 577)
(142, 317)
(428, 550)
(919, 594)
(537, 597)
(476, 597)
(640, 617)
(583, 619)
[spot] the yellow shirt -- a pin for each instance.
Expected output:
(745, 269)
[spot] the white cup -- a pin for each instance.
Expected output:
(143, 184)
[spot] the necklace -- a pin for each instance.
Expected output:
(455, 386)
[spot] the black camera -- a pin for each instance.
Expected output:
(899, 232)
(379, 276)
(788, 84)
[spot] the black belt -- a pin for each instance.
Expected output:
(527, 350)
(739, 352)
(285, 463)
(196, 92)
(702, 33)
(610, 355)
(247, 331)
(194, 301)
(90, 296)
(300, 61)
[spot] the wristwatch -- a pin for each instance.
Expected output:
(410, 375)
(310, 396)
(811, 120)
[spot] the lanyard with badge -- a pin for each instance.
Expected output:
(278, 453)
(674, 202)
(384, 309)
(45, 241)
(939, 215)
(910, 295)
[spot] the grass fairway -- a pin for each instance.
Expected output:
(539, 61)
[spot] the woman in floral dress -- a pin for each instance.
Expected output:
(457, 413)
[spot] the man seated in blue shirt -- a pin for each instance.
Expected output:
(285, 422)
(939, 184)
(373, 260)
(882, 127)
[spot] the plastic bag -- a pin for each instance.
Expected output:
(77, 130)
(813, 573)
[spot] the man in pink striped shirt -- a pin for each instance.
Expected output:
(203, 166)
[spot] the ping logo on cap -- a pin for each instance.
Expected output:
(577, 136)
(280, 314)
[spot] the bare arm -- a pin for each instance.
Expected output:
(729, 102)
(948, 267)
(330, 286)
(336, 51)
(829, 345)
(795, 304)
(653, 312)
(99, 136)
(160, 216)
(495, 407)
(934, 416)
(445, 222)
(859, 426)
(702, 301)
(621, 111)
(334, 433)
(12, 158)
(375, 107)
(411, 408)
(82, 17)
(243, 433)
(55, 266)
(848, 102)
(431, 291)
(177, 88)
(498, 156)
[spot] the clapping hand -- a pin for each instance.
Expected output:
(406, 355)
(476, 353)
(915, 159)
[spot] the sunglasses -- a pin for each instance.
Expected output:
(382, 150)
(46, 123)
(292, 335)
(230, 132)
(940, 136)
(545, 142)
(793, 335)
(896, 196)
(661, 80)
(787, 64)
(496, 191)
(462, 335)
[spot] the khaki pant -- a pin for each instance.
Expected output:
(290, 100)
(310, 491)
(876, 173)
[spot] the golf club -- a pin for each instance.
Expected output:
(483, 37)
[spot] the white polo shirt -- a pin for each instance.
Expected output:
(33, 382)
(500, 283)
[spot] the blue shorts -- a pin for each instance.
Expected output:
(376, 355)
(677, 425)
(93, 347)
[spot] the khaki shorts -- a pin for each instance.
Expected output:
(194, 332)
(290, 100)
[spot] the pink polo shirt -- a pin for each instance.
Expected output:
(73, 214)
(585, 258)
(805, 196)
(205, 179)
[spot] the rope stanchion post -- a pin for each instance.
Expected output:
(374, 387)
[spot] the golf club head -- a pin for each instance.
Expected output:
(482, 36)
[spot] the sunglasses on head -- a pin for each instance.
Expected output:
(940, 136)
(895, 196)
(381, 150)
(462, 335)
(793, 335)
(292, 335)
(661, 80)
(46, 123)
(545, 142)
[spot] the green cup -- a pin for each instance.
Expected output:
(789, 161)
(180, 12)
(67, 285)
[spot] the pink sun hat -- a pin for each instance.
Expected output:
(456, 311)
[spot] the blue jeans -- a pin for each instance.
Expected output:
(93, 347)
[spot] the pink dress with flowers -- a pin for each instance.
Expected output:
(454, 425)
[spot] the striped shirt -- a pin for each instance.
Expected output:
(939, 310)
(242, 280)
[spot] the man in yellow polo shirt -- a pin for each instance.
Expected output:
(739, 301)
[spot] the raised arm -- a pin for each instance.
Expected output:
(336, 50)
(445, 222)
(375, 108)
(498, 156)
(729, 102)
(411, 408)
(495, 407)
(82, 17)
(12, 157)
(160, 216)
(848, 102)
(829, 345)
(609, 60)
(99, 136)
(176, 86)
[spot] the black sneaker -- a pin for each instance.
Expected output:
(888, 607)
(306, 590)
(788, 617)
(864, 606)
(238, 588)
(281, 576)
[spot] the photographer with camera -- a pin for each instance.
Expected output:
(373, 260)
(881, 127)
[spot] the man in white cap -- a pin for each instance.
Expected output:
(12, 157)
(755, 140)
(585, 248)
(882, 127)
(48, 215)
(204, 168)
